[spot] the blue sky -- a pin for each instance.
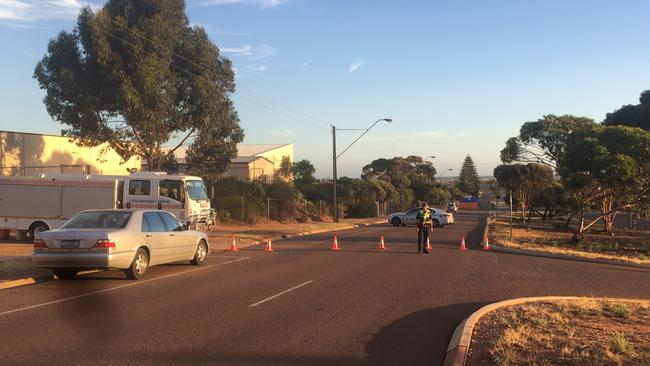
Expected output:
(457, 77)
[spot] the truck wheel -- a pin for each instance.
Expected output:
(36, 228)
(139, 265)
(65, 273)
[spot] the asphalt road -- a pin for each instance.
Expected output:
(301, 305)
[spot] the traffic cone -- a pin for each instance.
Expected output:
(268, 247)
(428, 244)
(381, 243)
(233, 246)
(335, 244)
(486, 244)
(462, 244)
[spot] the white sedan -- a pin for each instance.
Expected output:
(130, 240)
(439, 217)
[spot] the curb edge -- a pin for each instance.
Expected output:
(459, 344)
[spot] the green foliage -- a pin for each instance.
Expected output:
(142, 63)
(620, 344)
(632, 115)
(468, 180)
(544, 140)
(525, 182)
(286, 168)
(303, 172)
(609, 166)
(411, 178)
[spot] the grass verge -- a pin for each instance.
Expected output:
(252, 234)
(548, 237)
(587, 332)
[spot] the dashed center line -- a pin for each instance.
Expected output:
(281, 293)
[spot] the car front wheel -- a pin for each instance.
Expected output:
(201, 253)
(436, 223)
(139, 265)
(396, 221)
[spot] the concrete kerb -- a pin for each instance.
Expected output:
(32, 280)
(536, 253)
(460, 341)
(25, 281)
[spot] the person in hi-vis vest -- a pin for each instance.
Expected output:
(424, 225)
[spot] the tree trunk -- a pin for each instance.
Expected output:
(608, 215)
(579, 234)
(568, 221)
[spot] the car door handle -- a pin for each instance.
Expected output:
(172, 234)
(147, 235)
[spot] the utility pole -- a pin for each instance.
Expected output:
(335, 209)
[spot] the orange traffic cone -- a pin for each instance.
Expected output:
(381, 243)
(428, 244)
(486, 244)
(462, 244)
(268, 247)
(335, 244)
(233, 246)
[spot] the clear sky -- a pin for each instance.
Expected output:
(457, 77)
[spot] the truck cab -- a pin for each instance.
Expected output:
(183, 195)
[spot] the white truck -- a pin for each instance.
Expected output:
(34, 204)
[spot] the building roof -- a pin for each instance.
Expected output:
(256, 149)
(244, 151)
(248, 159)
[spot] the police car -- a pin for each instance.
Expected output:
(438, 216)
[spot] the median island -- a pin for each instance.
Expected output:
(566, 332)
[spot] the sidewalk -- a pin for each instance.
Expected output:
(15, 262)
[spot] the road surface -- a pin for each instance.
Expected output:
(301, 305)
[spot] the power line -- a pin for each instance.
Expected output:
(139, 34)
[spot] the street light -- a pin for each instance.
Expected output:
(335, 210)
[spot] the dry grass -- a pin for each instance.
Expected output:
(245, 234)
(587, 332)
(547, 237)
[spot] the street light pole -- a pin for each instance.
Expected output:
(335, 211)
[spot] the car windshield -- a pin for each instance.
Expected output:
(196, 190)
(98, 220)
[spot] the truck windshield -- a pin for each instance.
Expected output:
(196, 190)
(98, 220)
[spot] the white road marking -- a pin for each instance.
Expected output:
(119, 287)
(280, 294)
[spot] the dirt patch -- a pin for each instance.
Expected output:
(551, 237)
(589, 332)
(245, 235)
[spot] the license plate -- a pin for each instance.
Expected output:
(69, 243)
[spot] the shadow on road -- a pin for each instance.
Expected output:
(420, 338)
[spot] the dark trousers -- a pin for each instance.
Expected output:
(423, 235)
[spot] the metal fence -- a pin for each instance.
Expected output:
(241, 209)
